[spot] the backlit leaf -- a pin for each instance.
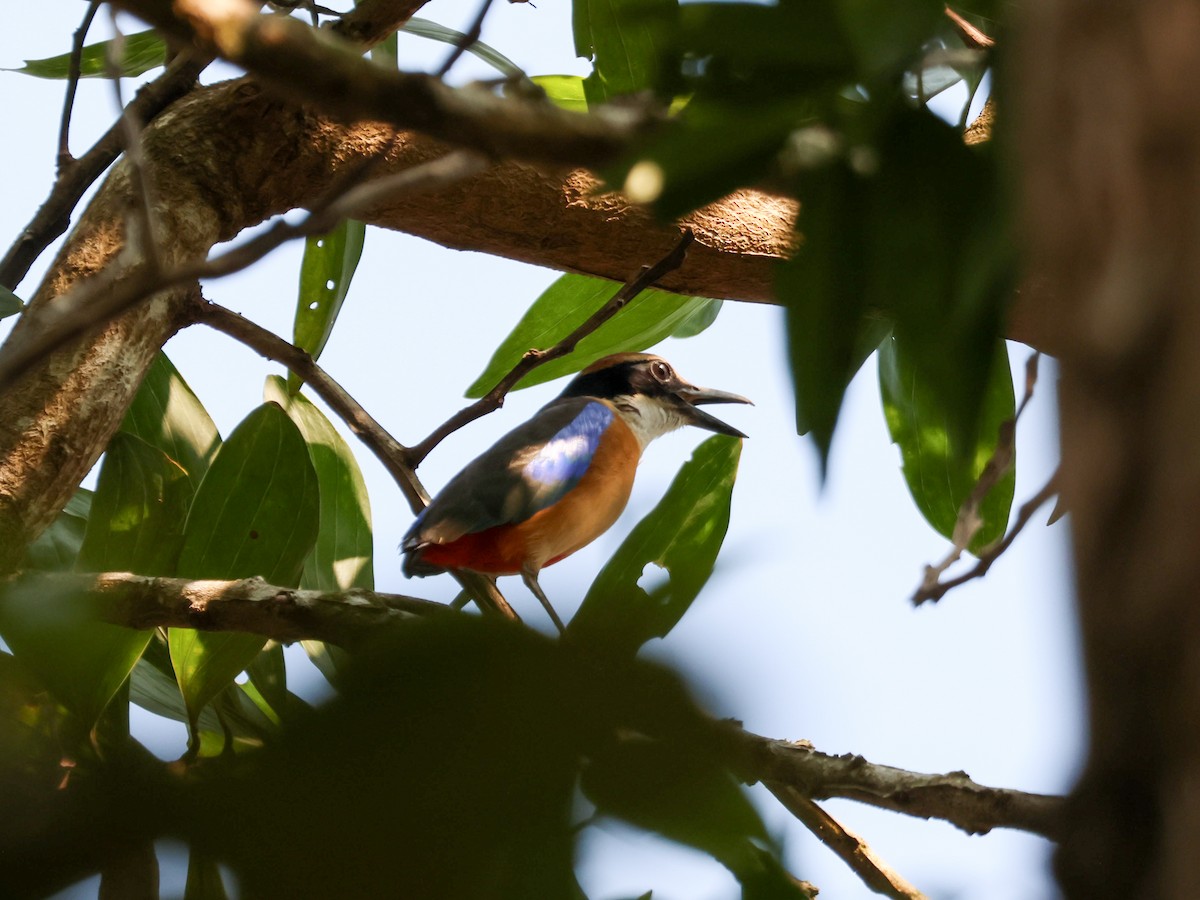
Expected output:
(167, 415)
(628, 42)
(325, 275)
(681, 537)
(256, 513)
(563, 90)
(137, 514)
(940, 476)
(647, 319)
(142, 52)
(55, 634)
(342, 555)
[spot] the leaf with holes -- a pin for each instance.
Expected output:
(682, 535)
(325, 275)
(628, 42)
(648, 318)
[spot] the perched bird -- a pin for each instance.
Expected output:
(559, 481)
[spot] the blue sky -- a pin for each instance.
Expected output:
(805, 630)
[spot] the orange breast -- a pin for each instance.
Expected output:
(583, 514)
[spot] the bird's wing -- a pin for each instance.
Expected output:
(527, 470)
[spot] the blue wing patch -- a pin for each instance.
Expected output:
(559, 465)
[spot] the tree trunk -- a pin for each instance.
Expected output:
(1111, 155)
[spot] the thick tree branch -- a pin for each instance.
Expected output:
(250, 605)
(295, 62)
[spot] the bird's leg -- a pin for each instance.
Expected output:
(531, 582)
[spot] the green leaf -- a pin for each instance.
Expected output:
(943, 262)
(57, 548)
(563, 90)
(142, 52)
(155, 690)
(939, 475)
(137, 515)
(628, 41)
(203, 878)
(872, 331)
(342, 556)
(167, 415)
(55, 634)
(825, 289)
(688, 797)
(256, 513)
(325, 275)
(268, 675)
(647, 319)
(490, 55)
(10, 303)
(886, 35)
(681, 535)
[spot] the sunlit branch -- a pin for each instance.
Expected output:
(849, 847)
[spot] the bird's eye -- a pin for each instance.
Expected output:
(660, 370)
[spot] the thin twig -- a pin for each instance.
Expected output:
(934, 590)
(494, 398)
(139, 179)
(467, 41)
(99, 300)
(971, 35)
(390, 452)
(969, 521)
(73, 70)
(850, 848)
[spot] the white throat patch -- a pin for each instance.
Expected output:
(646, 418)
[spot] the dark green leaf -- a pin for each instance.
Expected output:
(825, 289)
(682, 535)
(156, 690)
(647, 319)
(203, 878)
(342, 556)
(872, 331)
(55, 634)
(886, 35)
(325, 275)
(166, 414)
(10, 303)
(256, 513)
(688, 797)
(141, 501)
(142, 52)
(563, 90)
(268, 675)
(942, 260)
(490, 55)
(628, 42)
(57, 548)
(940, 476)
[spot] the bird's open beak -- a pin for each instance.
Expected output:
(694, 397)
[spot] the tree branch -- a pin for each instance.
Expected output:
(850, 848)
(953, 797)
(296, 62)
(250, 605)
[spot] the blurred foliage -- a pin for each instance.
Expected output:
(451, 759)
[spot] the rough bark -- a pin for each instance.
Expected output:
(1111, 152)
